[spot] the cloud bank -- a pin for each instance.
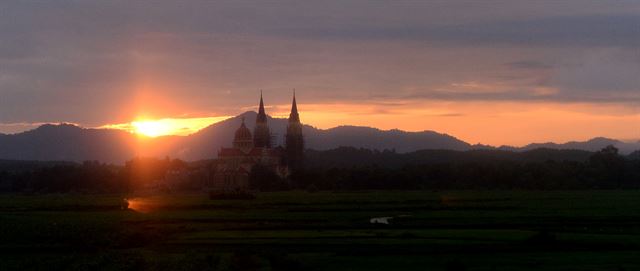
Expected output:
(97, 62)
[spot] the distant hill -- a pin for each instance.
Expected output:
(371, 138)
(206, 142)
(66, 142)
(594, 144)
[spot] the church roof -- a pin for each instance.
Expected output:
(242, 133)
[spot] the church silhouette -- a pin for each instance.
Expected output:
(249, 150)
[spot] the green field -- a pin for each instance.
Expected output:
(439, 230)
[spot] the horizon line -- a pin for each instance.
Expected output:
(120, 127)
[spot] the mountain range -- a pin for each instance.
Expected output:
(66, 142)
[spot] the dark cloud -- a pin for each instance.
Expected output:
(602, 72)
(529, 95)
(592, 30)
(83, 61)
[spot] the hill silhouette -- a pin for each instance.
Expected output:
(201, 144)
(67, 142)
(594, 144)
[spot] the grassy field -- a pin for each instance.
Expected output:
(440, 230)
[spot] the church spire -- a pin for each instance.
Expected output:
(261, 132)
(294, 116)
(262, 116)
(294, 141)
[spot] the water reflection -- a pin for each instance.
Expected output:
(141, 205)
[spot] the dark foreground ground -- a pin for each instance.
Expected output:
(446, 230)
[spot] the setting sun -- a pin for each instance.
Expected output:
(153, 128)
(167, 126)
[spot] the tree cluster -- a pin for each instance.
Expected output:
(90, 176)
(605, 169)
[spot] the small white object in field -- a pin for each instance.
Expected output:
(380, 220)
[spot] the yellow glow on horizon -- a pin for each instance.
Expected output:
(493, 123)
(166, 126)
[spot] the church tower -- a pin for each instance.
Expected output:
(261, 133)
(294, 142)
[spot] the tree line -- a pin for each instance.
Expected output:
(89, 176)
(605, 169)
(346, 169)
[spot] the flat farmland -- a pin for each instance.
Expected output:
(427, 230)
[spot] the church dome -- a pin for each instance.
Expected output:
(243, 133)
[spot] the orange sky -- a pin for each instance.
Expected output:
(493, 123)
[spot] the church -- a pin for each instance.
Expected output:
(234, 165)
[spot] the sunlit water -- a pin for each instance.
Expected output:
(142, 205)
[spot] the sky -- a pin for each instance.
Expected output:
(491, 72)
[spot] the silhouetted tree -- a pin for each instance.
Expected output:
(265, 179)
(607, 167)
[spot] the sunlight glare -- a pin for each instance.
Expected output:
(153, 128)
(167, 126)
